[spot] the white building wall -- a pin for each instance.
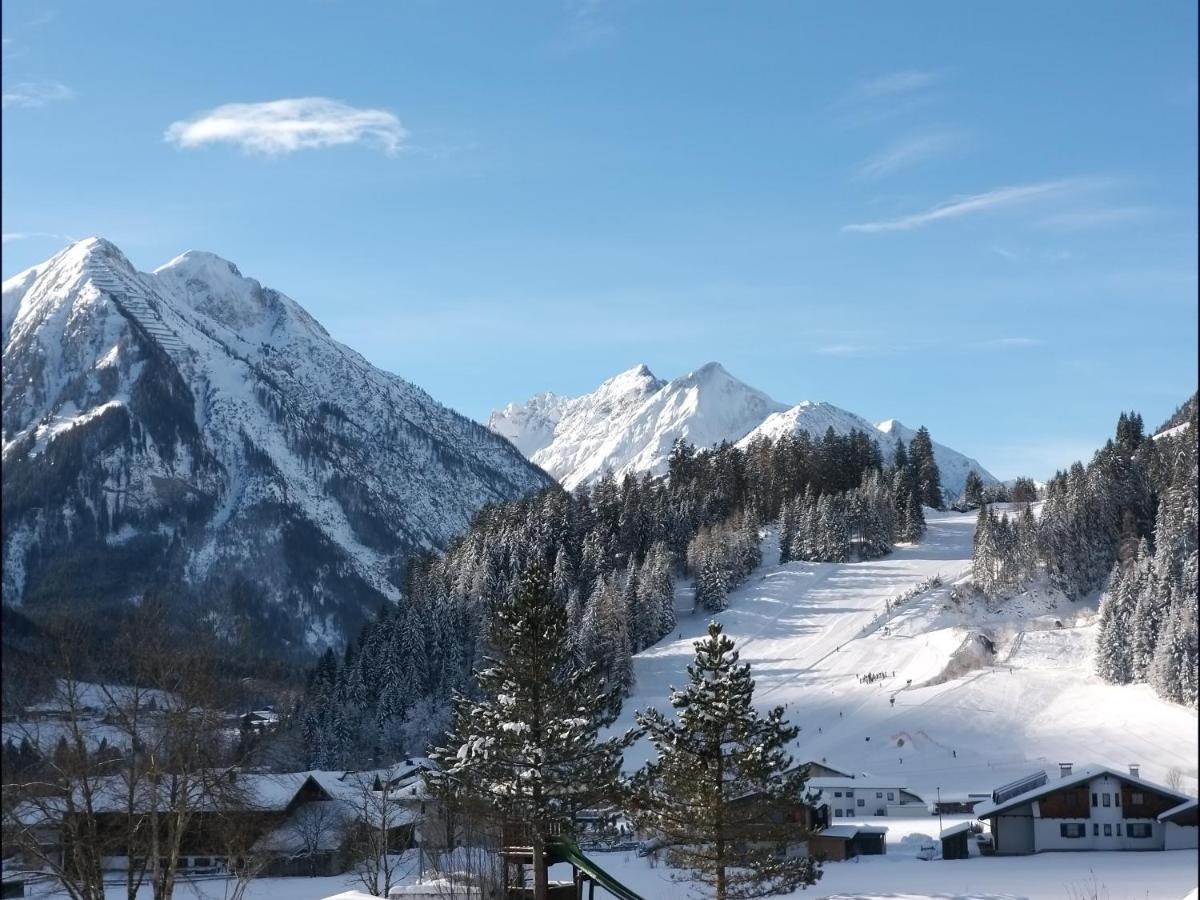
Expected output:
(1047, 833)
(1180, 837)
(875, 802)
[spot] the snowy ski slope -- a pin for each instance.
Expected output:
(809, 629)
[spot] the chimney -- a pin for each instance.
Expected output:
(1134, 770)
(1064, 769)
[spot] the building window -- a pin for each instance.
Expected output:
(1107, 800)
(837, 793)
(1138, 830)
(202, 862)
(1117, 798)
(849, 793)
(1095, 830)
(862, 802)
(1118, 829)
(891, 795)
(1072, 829)
(838, 813)
(879, 795)
(1094, 799)
(1136, 798)
(1108, 830)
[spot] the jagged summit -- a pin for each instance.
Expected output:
(192, 426)
(630, 422)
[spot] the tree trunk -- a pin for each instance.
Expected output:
(541, 887)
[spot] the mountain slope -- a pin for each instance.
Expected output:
(808, 629)
(631, 422)
(193, 427)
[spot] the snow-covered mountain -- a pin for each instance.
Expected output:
(530, 425)
(191, 428)
(631, 421)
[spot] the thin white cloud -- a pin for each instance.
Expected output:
(1077, 220)
(587, 26)
(1010, 255)
(10, 236)
(1011, 343)
(31, 94)
(860, 351)
(906, 153)
(893, 83)
(285, 126)
(974, 204)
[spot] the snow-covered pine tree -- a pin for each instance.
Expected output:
(712, 587)
(787, 530)
(973, 491)
(929, 478)
(984, 563)
(528, 748)
(1112, 639)
(722, 792)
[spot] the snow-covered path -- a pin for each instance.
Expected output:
(809, 630)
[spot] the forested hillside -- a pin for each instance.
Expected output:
(615, 551)
(1126, 522)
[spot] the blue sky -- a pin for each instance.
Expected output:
(981, 217)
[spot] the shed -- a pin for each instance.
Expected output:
(842, 842)
(955, 841)
(1181, 824)
(13, 887)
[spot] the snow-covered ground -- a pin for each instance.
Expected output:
(899, 875)
(968, 722)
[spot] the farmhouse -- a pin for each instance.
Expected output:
(1096, 808)
(851, 798)
(297, 823)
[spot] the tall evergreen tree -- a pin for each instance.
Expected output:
(722, 791)
(973, 491)
(528, 746)
(929, 479)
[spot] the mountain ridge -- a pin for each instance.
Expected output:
(207, 430)
(582, 437)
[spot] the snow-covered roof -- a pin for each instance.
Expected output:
(315, 828)
(847, 832)
(1183, 807)
(954, 829)
(854, 784)
(1052, 784)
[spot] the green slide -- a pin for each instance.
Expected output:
(568, 851)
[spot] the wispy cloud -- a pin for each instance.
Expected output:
(861, 351)
(1004, 252)
(285, 126)
(587, 26)
(893, 83)
(1077, 220)
(906, 153)
(974, 204)
(1011, 343)
(31, 94)
(10, 236)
